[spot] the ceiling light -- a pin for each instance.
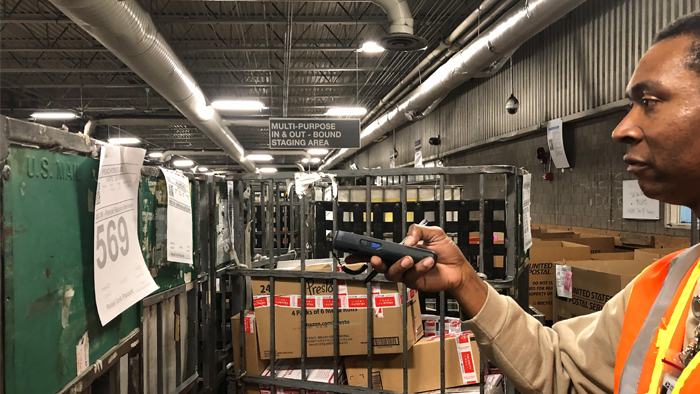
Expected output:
(346, 111)
(268, 170)
(304, 160)
(124, 141)
(54, 115)
(371, 47)
(202, 169)
(182, 163)
(238, 105)
(316, 160)
(259, 157)
(318, 151)
(155, 154)
(209, 173)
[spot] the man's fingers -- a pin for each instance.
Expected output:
(396, 271)
(378, 264)
(416, 276)
(418, 233)
(415, 234)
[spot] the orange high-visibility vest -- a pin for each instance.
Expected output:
(671, 331)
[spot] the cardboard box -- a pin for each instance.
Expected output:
(651, 255)
(613, 256)
(317, 370)
(593, 284)
(431, 323)
(553, 236)
(462, 365)
(597, 244)
(253, 364)
(352, 317)
(543, 255)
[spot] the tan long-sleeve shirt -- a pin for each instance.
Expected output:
(574, 356)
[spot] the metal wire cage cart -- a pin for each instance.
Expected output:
(295, 230)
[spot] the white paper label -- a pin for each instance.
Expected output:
(564, 281)
(527, 185)
(635, 205)
(82, 353)
(555, 140)
(466, 359)
(669, 384)
(121, 276)
(418, 160)
(179, 222)
(527, 232)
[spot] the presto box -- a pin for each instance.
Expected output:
(352, 317)
(462, 366)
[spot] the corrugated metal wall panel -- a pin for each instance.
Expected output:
(581, 62)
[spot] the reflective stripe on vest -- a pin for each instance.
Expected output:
(684, 384)
(664, 336)
(655, 322)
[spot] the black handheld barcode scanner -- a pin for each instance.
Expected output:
(389, 252)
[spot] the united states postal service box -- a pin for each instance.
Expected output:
(593, 284)
(543, 255)
(352, 317)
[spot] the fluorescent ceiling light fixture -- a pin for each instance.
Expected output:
(209, 173)
(124, 141)
(238, 105)
(371, 47)
(305, 160)
(202, 169)
(346, 111)
(54, 115)
(259, 157)
(268, 170)
(155, 154)
(182, 163)
(318, 151)
(315, 160)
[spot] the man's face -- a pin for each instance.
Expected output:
(663, 126)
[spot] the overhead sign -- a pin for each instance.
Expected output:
(304, 133)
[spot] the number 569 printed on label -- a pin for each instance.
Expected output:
(121, 276)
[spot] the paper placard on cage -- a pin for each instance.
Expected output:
(121, 276)
(179, 219)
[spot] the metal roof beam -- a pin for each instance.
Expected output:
(204, 85)
(222, 20)
(34, 70)
(189, 50)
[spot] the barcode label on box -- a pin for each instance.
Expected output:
(386, 341)
(377, 380)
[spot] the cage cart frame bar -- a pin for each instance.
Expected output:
(514, 262)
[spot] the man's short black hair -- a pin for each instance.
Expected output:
(686, 26)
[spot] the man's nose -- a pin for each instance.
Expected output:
(629, 130)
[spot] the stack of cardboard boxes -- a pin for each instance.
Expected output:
(597, 271)
(462, 355)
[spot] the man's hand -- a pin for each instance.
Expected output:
(452, 272)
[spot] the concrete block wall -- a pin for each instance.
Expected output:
(587, 195)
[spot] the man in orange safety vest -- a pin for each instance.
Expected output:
(644, 339)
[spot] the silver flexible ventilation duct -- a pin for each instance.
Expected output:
(520, 24)
(401, 37)
(128, 31)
